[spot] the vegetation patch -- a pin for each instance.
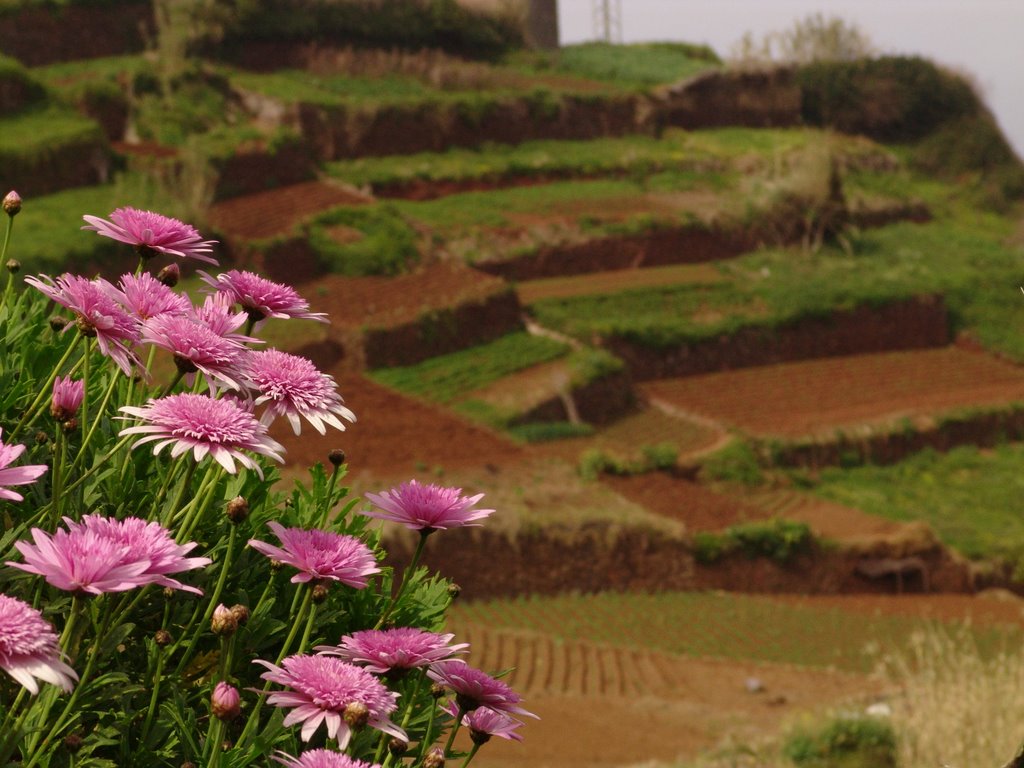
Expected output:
(638, 65)
(969, 496)
(778, 540)
(367, 240)
(844, 741)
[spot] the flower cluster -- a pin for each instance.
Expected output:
(112, 533)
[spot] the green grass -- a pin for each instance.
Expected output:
(970, 497)
(637, 65)
(446, 378)
(639, 155)
(731, 626)
(33, 133)
(104, 68)
(296, 86)
(963, 256)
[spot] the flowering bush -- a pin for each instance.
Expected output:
(163, 602)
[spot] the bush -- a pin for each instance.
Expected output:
(893, 98)
(386, 245)
(595, 462)
(779, 540)
(844, 742)
(735, 463)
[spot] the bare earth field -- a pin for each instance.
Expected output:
(817, 396)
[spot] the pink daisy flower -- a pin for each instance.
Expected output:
(145, 541)
(321, 758)
(292, 387)
(426, 508)
(474, 688)
(16, 475)
(197, 423)
(99, 307)
(152, 233)
(484, 722)
(29, 649)
(386, 650)
(67, 397)
(320, 555)
(197, 349)
(147, 297)
(100, 555)
(218, 314)
(322, 688)
(262, 298)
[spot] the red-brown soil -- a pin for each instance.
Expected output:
(396, 434)
(817, 396)
(607, 706)
(275, 212)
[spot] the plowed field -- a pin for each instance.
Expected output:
(595, 701)
(817, 396)
(276, 211)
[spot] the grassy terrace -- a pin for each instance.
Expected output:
(722, 625)
(969, 496)
(639, 155)
(35, 132)
(964, 257)
(446, 378)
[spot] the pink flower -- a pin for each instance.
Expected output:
(293, 387)
(143, 540)
(150, 232)
(29, 649)
(218, 314)
(426, 508)
(67, 397)
(100, 310)
(401, 648)
(323, 688)
(16, 475)
(196, 348)
(147, 297)
(484, 722)
(102, 555)
(262, 298)
(321, 758)
(474, 688)
(320, 555)
(197, 423)
(225, 702)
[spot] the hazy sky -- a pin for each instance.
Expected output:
(984, 38)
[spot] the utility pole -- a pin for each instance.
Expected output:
(607, 16)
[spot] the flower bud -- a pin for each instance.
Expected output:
(162, 637)
(356, 714)
(397, 746)
(12, 203)
(237, 510)
(454, 590)
(188, 764)
(336, 457)
(42, 438)
(437, 690)
(225, 703)
(479, 737)
(69, 426)
(434, 758)
(223, 621)
(58, 323)
(241, 613)
(169, 275)
(73, 742)
(67, 398)
(320, 591)
(13, 266)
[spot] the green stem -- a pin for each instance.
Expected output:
(471, 755)
(254, 717)
(405, 579)
(99, 465)
(325, 515)
(185, 483)
(40, 749)
(455, 730)
(31, 413)
(3, 260)
(309, 627)
(103, 407)
(157, 677)
(84, 410)
(197, 513)
(59, 446)
(428, 737)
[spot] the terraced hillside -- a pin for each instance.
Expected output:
(670, 320)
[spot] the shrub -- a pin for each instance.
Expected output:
(845, 741)
(779, 540)
(735, 463)
(385, 245)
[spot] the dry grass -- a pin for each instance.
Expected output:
(958, 705)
